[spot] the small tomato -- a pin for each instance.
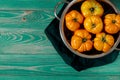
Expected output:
(112, 23)
(81, 41)
(103, 42)
(91, 7)
(73, 20)
(93, 24)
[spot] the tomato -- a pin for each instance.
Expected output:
(73, 20)
(81, 41)
(93, 24)
(103, 42)
(112, 23)
(91, 7)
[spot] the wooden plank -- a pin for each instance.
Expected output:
(27, 4)
(26, 19)
(59, 78)
(19, 30)
(50, 65)
(24, 41)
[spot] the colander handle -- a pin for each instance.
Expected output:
(56, 7)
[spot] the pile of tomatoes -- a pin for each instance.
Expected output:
(90, 16)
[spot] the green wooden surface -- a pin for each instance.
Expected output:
(25, 51)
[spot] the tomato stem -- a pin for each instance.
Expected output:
(113, 21)
(92, 9)
(103, 39)
(84, 40)
(75, 19)
(93, 25)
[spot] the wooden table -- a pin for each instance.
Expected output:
(27, 54)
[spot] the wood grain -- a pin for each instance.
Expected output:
(22, 32)
(27, 4)
(26, 52)
(58, 78)
(50, 65)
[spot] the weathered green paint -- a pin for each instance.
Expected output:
(27, 4)
(26, 52)
(59, 78)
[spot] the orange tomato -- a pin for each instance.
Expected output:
(91, 7)
(112, 23)
(81, 41)
(103, 42)
(73, 20)
(93, 24)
